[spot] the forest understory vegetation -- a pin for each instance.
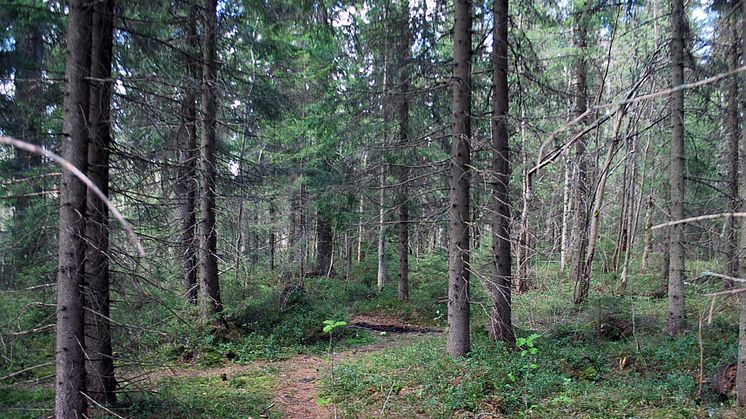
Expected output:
(372, 208)
(606, 360)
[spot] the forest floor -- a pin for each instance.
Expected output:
(294, 387)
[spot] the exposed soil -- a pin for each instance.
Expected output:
(295, 393)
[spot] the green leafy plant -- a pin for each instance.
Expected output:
(529, 354)
(329, 326)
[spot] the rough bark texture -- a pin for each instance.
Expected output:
(99, 360)
(579, 238)
(325, 245)
(676, 319)
(402, 200)
(381, 274)
(208, 261)
(741, 369)
(501, 322)
(70, 359)
(731, 260)
(459, 342)
(188, 162)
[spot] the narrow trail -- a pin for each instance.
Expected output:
(295, 390)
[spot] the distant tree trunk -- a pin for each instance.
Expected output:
(272, 237)
(403, 199)
(99, 360)
(459, 340)
(29, 86)
(676, 314)
(187, 162)
(731, 259)
(70, 380)
(325, 247)
(580, 225)
(381, 274)
(501, 321)
(741, 370)
(647, 242)
(208, 260)
(566, 235)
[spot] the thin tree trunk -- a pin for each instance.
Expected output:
(209, 282)
(459, 340)
(381, 273)
(187, 162)
(499, 286)
(565, 240)
(741, 369)
(583, 280)
(403, 202)
(647, 243)
(99, 360)
(272, 237)
(70, 374)
(676, 314)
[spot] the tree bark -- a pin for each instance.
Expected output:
(741, 369)
(208, 261)
(580, 225)
(676, 314)
(499, 287)
(70, 382)
(459, 340)
(187, 162)
(647, 243)
(403, 200)
(99, 360)
(325, 247)
(731, 260)
(381, 273)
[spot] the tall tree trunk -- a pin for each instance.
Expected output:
(187, 162)
(381, 273)
(272, 237)
(208, 260)
(647, 242)
(325, 247)
(676, 315)
(579, 237)
(741, 370)
(731, 260)
(566, 234)
(28, 82)
(403, 200)
(501, 322)
(99, 360)
(459, 339)
(70, 380)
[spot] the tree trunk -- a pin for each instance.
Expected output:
(70, 382)
(403, 200)
(647, 243)
(272, 237)
(325, 248)
(731, 260)
(208, 260)
(187, 162)
(459, 340)
(381, 274)
(501, 322)
(583, 280)
(579, 237)
(566, 236)
(741, 370)
(99, 360)
(676, 315)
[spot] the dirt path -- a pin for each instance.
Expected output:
(295, 393)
